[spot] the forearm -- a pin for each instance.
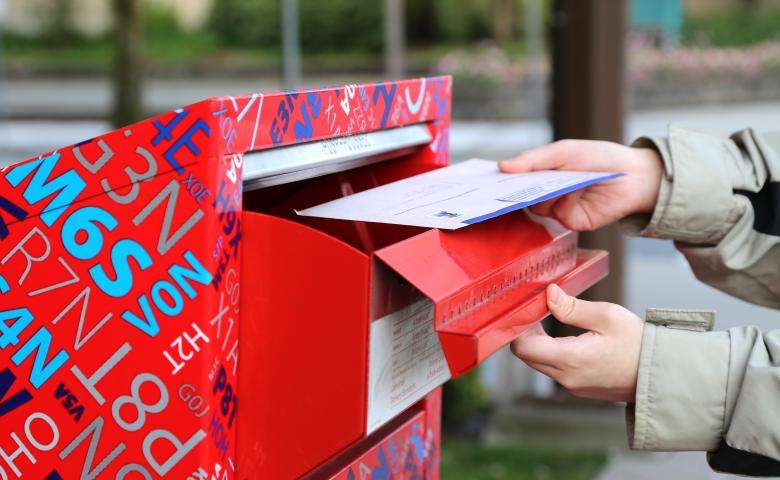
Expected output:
(719, 200)
(710, 391)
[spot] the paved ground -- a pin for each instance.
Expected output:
(656, 274)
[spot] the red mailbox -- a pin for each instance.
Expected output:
(164, 313)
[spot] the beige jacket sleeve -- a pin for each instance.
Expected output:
(715, 391)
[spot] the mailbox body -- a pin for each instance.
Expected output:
(131, 265)
(120, 280)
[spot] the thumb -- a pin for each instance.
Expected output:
(547, 157)
(573, 311)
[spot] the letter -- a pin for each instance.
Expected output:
(9, 459)
(176, 366)
(80, 341)
(69, 402)
(134, 178)
(193, 341)
(108, 365)
(77, 412)
(196, 272)
(120, 255)
(41, 371)
(186, 141)
(149, 324)
(9, 335)
(55, 433)
(180, 450)
(164, 131)
(304, 130)
(86, 219)
(7, 379)
(30, 257)
(176, 298)
(67, 186)
(221, 199)
(388, 95)
(17, 212)
(61, 391)
(94, 429)
(54, 286)
(166, 241)
(186, 396)
(233, 355)
(221, 382)
(106, 155)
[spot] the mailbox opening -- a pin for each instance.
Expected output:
(356, 163)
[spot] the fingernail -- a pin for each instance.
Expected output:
(555, 294)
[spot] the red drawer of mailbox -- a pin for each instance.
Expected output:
(366, 319)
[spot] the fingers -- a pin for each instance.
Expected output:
(547, 157)
(544, 208)
(570, 212)
(576, 312)
(537, 348)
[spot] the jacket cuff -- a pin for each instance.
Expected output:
(681, 390)
(695, 199)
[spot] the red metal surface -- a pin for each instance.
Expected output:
(467, 343)
(120, 281)
(408, 447)
(487, 281)
(303, 349)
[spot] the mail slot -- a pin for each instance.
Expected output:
(164, 311)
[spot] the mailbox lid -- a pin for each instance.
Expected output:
(487, 281)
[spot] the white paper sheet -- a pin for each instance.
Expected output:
(455, 196)
(405, 362)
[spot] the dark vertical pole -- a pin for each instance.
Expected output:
(588, 41)
(291, 45)
(128, 59)
(394, 38)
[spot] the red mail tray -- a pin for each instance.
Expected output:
(488, 281)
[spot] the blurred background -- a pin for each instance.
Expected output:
(525, 72)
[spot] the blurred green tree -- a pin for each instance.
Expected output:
(356, 25)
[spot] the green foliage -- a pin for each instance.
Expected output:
(350, 25)
(325, 25)
(341, 25)
(463, 399)
(247, 23)
(472, 461)
(463, 21)
(734, 27)
(166, 42)
(447, 21)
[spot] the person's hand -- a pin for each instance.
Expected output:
(601, 363)
(602, 203)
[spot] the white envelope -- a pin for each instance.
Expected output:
(455, 196)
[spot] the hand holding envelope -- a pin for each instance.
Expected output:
(455, 196)
(603, 362)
